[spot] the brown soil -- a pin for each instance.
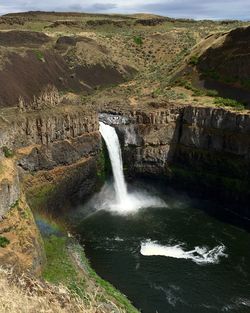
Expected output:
(22, 38)
(28, 75)
(229, 59)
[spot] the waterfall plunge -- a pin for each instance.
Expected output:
(111, 139)
(122, 202)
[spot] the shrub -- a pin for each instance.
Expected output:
(198, 92)
(212, 93)
(138, 40)
(8, 153)
(4, 242)
(229, 103)
(39, 56)
(194, 60)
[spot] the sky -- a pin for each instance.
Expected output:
(197, 9)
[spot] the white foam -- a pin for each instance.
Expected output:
(121, 202)
(199, 255)
(134, 201)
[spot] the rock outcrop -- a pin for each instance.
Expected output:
(24, 251)
(201, 148)
(57, 153)
(9, 186)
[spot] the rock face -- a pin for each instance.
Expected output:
(60, 147)
(204, 149)
(46, 127)
(9, 186)
(58, 152)
(230, 60)
(51, 158)
(25, 249)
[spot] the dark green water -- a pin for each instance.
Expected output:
(169, 284)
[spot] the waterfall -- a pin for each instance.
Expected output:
(111, 139)
(123, 202)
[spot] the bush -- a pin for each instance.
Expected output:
(8, 153)
(39, 56)
(212, 93)
(229, 103)
(198, 92)
(138, 40)
(194, 60)
(4, 242)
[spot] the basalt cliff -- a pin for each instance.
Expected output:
(162, 86)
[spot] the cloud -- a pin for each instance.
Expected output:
(210, 9)
(104, 6)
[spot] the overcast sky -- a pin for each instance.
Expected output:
(198, 9)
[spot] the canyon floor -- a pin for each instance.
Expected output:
(181, 87)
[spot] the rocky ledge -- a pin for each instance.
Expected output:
(204, 149)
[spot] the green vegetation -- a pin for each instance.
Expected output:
(4, 242)
(138, 40)
(103, 164)
(227, 187)
(224, 102)
(101, 167)
(39, 56)
(212, 93)
(112, 291)
(15, 204)
(194, 60)
(8, 153)
(27, 214)
(38, 196)
(59, 268)
(196, 92)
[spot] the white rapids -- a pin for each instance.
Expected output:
(199, 255)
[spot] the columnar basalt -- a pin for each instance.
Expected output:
(202, 148)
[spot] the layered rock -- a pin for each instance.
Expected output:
(201, 148)
(57, 152)
(9, 186)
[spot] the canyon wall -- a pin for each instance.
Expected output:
(54, 153)
(58, 155)
(205, 150)
(48, 159)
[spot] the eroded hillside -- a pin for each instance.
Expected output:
(82, 53)
(178, 91)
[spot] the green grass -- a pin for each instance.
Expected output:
(39, 56)
(4, 242)
(224, 102)
(138, 40)
(59, 268)
(15, 204)
(111, 291)
(194, 60)
(39, 196)
(212, 93)
(8, 153)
